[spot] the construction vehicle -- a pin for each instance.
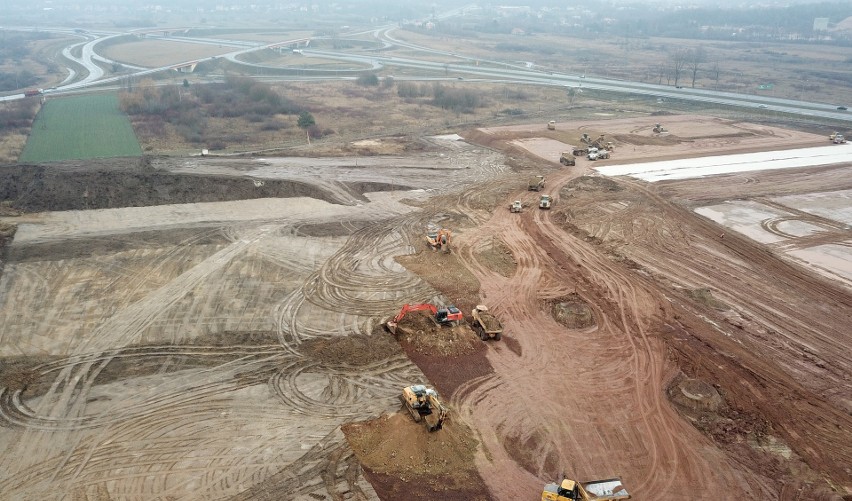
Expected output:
(568, 159)
(832, 136)
(545, 202)
(580, 151)
(424, 405)
(33, 92)
(516, 206)
(609, 489)
(551, 125)
(536, 183)
(658, 129)
(603, 154)
(485, 324)
(449, 315)
(593, 154)
(600, 143)
(839, 139)
(438, 238)
(586, 139)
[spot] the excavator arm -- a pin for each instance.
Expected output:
(408, 308)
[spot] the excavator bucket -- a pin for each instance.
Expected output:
(390, 325)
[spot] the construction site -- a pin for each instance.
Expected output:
(416, 326)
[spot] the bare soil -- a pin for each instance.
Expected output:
(74, 186)
(420, 333)
(395, 445)
(241, 355)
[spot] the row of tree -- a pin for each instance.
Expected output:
(188, 108)
(443, 96)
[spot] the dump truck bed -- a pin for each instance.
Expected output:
(609, 489)
(489, 322)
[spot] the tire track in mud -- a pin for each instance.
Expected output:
(797, 320)
(347, 388)
(774, 305)
(15, 412)
(66, 400)
(155, 441)
(629, 369)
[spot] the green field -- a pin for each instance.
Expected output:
(80, 127)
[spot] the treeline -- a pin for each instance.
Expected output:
(17, 80)
(18, 114)
(445, 97)
(188, 108)
(14, 48)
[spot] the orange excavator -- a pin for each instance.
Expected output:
(441, 316)
(439, 239)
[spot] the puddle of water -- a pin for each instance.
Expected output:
(744, 217)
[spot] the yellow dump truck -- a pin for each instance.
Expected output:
(486, 325)
(536, 183)
(609, 489)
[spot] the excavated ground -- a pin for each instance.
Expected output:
(234, 349)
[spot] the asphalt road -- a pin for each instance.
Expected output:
(478, 69)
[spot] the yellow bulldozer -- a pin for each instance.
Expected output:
(424, 405)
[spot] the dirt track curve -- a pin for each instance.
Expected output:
(222, 349)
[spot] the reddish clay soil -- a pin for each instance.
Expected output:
(711, 365)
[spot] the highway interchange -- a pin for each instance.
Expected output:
(477, 69)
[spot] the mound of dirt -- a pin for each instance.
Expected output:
(653, 140)
(573, 312)
(705, 297)
(7, 231)
(593, 183)
(422, 334)
(395, 445)
(352, 350)
(695, 394)
(37, 188)
(497, 257)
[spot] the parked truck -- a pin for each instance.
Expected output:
(593, 154)
(545, 202)
(567, 159)
(536, 183)
(609, 489)
(551, 125)
(485, 324)
(516, 206)
(33, 92)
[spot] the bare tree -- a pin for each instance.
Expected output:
(662, 72)
(696, 58)
(715, 70)
(678, 61)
